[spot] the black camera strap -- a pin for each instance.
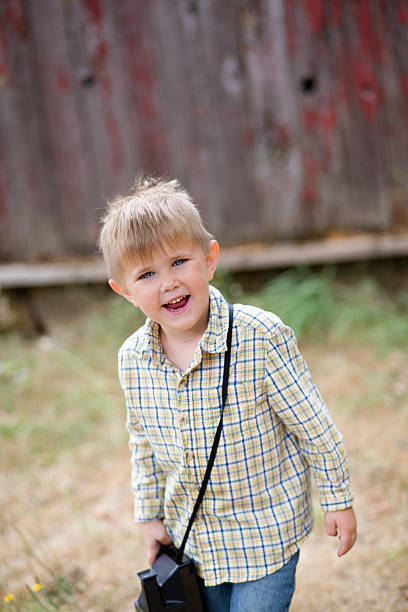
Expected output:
(207, 474)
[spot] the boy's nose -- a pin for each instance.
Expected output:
(169, 282)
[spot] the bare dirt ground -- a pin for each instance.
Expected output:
(69, 523)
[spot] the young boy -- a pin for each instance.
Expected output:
(256, 511)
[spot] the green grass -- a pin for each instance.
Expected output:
(55, 397)
(319, 307)
(61, 397)
(58, 595)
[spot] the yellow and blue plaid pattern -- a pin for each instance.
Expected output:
(257, 507)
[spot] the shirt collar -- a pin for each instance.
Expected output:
(214, 339)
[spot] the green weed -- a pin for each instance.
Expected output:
(319, 307)
(55, 596)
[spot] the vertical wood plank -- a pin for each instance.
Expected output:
(34, 230)
(68, 161)
(392, 27)
(231, 145)
(365, 111)
(184, 102)
(98, 89)
(5, 242)
(277, 157)
(137, 78)
(313, 69)
(203, 101)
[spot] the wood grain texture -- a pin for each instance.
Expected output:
(234, 259)
(285, 119)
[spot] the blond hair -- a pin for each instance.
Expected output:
(155, 212)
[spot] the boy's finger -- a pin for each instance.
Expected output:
(346, 543)
(166, 539)
(153, 552)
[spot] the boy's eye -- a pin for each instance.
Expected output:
(178, 262)
(145, 275)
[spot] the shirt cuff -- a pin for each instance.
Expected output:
(333, 503)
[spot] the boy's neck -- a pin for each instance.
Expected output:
(179, 346)
(179, 349)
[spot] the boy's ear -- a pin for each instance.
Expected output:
(121, 292)
(212, 258)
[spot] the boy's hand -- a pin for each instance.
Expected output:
(154, 534)
(342, 523)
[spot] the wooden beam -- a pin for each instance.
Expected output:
(235, 259)
(52, 274)
(331, 250)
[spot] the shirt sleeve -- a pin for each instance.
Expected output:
(148, 479)
(298, 404)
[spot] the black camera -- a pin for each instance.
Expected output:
(169, 585)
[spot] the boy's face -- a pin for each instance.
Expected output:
(171, 288)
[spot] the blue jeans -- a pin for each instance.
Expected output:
(272, 593)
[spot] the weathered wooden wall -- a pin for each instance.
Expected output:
(285, 119)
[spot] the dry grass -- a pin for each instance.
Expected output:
(368, 400)
(65, 498)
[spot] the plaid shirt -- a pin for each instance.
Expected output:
(257, 507)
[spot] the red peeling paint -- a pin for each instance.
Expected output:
(399, 215)
(3, 209)
(402, 13)
(281, 134)
(112, 126)
(315, 14)
(371, 40)
(310, 192)
(107, 86)
(249, 139)
(147, 109)
(364, 26)
(15, 15)
(141, 74)
(404, 87)
(157, 139)
(368, 90)
(99, 50)
(322, 120)
(310, 119)
(4, 66)
(114, 136)
(328, 121)
(94, 8)
(201, 111)
(98, 46)
(337, 13)
(63, 81)
(141, 62)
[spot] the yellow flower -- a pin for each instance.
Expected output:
(8, 597)
(37, 587)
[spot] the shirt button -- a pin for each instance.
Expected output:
(183, 382)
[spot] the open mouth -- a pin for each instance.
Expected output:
(177, 304)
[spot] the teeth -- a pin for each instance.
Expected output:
(177, 300)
